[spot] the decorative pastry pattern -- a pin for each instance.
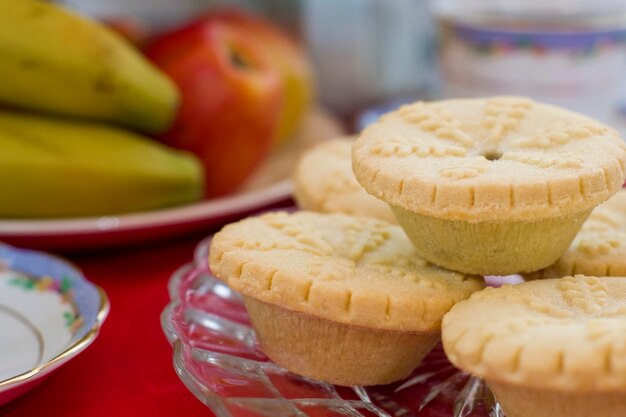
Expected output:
(324, 182)
(588, 294)
(600, 246)
(441, 124)
(418, 141)
(401, 147)
(564, 161)
(502, 115)
(469, 169)
(533, 333)
(564, 134)
(305, 260)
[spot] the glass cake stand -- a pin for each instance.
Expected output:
(217, 357)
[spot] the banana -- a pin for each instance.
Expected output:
(52, 167)
(56, 61)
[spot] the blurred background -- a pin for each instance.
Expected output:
(370, 52)
(225, 95)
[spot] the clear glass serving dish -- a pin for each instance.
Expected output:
(217, 357)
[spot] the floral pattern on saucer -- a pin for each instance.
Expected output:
(48, 314)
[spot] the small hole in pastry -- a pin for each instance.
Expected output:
(492, 155)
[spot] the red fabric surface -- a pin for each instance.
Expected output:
(128, 370)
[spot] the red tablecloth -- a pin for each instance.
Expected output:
(128, 369)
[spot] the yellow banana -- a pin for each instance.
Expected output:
(53, 60)
(54, 168)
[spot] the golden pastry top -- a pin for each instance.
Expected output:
(354, 270)
(499, 158)
(565, 334)
(324, 182)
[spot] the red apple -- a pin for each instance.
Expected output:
(231, 99)
(289, 59)
(280, 51)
